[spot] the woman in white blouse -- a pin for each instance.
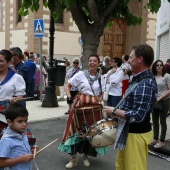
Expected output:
(159, 115)
(12, 85)
(114, 82)
(90, 92)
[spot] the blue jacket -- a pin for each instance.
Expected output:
(31, 69)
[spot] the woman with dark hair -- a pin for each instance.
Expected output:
(90, 92)
(12, 85)
(163, 84)
(114, 82)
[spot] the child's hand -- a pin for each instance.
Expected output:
(27, 157)
(34, 150)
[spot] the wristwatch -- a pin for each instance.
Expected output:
(113, 112)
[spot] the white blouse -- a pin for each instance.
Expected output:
(80, 81)
(115, 85)
(13, 87)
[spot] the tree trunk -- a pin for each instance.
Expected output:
(91, 42)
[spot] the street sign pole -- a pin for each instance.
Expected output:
(39, 33)
(41, 84)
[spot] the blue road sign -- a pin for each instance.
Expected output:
(38, 27)
(80, 41)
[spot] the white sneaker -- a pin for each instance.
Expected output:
(72, 163)
(86, 161)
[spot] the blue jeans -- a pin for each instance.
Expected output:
(113, 100)
(30, 88)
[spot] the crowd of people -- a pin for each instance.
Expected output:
(127, 89)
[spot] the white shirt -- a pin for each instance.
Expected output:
(80, 81)
(126, 66)
(13, 87)
(115, 85)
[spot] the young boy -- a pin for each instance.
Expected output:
(15, 151)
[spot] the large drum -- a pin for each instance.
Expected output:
(103, 133)
(87, 115)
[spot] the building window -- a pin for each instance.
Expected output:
(19, 3)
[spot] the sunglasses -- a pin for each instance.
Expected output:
(75, 63)
(14, 54)
(159, 65)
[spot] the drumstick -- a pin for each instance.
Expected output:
(46, 146)
(24, 98)
(34, 152)
(3, 99)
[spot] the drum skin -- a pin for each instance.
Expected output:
(102, 133)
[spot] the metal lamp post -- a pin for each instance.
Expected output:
(50, 99)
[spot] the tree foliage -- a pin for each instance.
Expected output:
(100, 6)
(92, 16)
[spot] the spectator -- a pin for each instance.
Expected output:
(127, 72)
(70, 73)
(163, 83)
(37, 79)
(45, 63)
(68, 66)
(106, 66)
(30, 83)
(114, 82)
(19, 66)
(167, 66)
(26, 55)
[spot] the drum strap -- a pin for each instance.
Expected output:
(99, 79)
(93, 92)
(126, 94)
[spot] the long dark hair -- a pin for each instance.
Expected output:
(154, 68)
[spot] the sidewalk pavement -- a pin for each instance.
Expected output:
(38, 113)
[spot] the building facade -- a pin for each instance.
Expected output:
(163, 32)
(16, 30)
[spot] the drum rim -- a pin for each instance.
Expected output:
(100, 121)
(88, 106)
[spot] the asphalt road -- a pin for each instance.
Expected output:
(52, 159)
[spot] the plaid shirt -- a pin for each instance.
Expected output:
(142, 99)
(138, 105)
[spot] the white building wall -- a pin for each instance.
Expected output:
(151, 30)
(18, 39)
(2, 38)
(74, 26)
(162, 26)
(66, 44)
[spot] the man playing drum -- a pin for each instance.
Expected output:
(134, 127)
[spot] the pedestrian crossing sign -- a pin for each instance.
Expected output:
(39, 27)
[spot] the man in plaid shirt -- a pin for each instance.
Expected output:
(134, 127)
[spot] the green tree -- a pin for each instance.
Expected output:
(92, 16)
